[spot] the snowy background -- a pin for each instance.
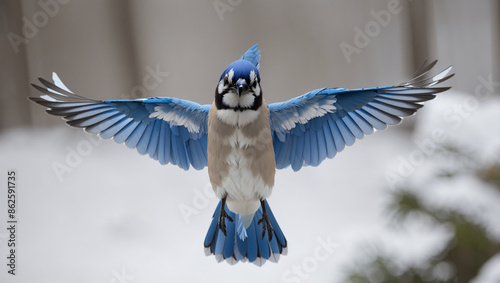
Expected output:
(90, 210)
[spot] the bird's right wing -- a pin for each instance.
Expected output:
(170, 130)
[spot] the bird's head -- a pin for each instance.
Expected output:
(239, 87)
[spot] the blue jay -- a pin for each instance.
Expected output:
(243, 141)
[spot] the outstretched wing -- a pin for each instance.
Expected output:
(170, 130)
(309, 128)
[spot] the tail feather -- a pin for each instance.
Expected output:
(229, 242)
(212, 232)
(237, 246)
(277, 230)
(262, 242)
(240, 227)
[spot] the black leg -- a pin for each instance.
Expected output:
(223, 214)
(265, 222)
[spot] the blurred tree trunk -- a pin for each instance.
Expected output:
(14, 109)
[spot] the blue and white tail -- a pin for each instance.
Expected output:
(245, 244)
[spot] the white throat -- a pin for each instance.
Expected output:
(238, 118)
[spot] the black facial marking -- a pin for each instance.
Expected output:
(257, 102)
(218, 98)
(230, 88)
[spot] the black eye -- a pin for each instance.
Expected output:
(254, 84)
(226, 80)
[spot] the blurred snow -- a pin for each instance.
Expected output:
(490, 271)
(475, 130)
(116, 217)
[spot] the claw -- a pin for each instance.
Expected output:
(223, 214)
(265, 222)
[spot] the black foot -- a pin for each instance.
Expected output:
(265, 222)
(223, 214)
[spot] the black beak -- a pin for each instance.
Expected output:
(242, 88)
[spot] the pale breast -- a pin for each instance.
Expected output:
(240, 154)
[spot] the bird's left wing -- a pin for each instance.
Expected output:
(309, 128)
(170, 130)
